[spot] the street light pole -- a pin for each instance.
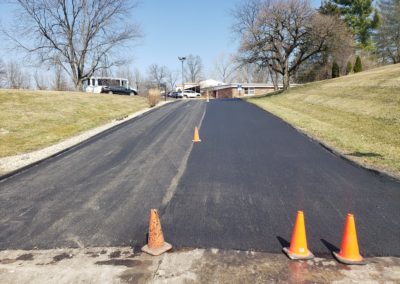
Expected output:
(182, 59)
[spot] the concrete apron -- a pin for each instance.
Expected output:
(121, 265)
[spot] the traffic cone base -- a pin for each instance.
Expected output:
(343, 260)
(157, 251)
(294, 256)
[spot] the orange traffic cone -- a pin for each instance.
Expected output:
(298, 245)
(349, 253)
(196, 137)
(156, 244)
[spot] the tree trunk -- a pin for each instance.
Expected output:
(274, 79)
(79, 85)
(286, 79)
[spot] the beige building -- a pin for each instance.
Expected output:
(237, 90)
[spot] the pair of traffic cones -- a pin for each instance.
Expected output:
(349, 253)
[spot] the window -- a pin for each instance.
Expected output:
(249, 91)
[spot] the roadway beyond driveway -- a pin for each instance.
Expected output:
(100, 194)
(240, 188)
(250, 174)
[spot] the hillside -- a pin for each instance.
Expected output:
(30, 120)
(358, 115)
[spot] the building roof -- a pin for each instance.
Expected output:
(210, 83)
(244, 85)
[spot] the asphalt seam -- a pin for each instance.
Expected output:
(181, 170)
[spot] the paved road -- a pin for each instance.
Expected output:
(252, 172)
(239, 189)
(101, 193)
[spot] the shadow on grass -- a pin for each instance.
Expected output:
(365, 154)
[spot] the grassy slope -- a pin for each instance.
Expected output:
(31, 120)
(359, 114)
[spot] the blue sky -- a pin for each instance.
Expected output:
(175, 28)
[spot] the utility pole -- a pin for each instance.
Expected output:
(182, 59)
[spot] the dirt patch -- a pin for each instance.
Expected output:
(115, 254)
(182, 249)
(120, 262)
(62, 256)
(26, 257)
(7, 261)
(133, 276)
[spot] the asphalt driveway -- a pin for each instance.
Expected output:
(239, 188)
(245, 182)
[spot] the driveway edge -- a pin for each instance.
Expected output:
(335, 152)
(81, 139)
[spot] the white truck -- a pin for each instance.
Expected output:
(108, 85)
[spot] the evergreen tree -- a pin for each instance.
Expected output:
(360, 16)
(335, 70)
(357, 66)
(349, 67)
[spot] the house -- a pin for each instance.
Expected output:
(237, 90)
(188, 86)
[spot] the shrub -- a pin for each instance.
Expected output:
(153, 97)
(335, 70)
(357, 66)
(349, 68)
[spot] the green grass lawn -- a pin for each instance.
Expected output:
(31, 120)
(358, 115)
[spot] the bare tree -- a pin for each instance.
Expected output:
(3, 74)
(138, 80)
(225, 67)
(193, 68)
(16, 77)
(125, 72)
(59, 83)
(246, 15)
(388, 34)
(40, 81)
(172, 78)
(75, 34)
(157, 74)
(338, 48)
(282, 35)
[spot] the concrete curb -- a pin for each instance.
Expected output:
(122, 265)
(335, 152)
(113, 126)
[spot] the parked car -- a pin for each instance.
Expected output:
(119, 90)
(190, 94)
(173, 94)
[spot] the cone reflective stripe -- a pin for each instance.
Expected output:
(196, 136)
(155, 243)
(349, 252)
(298, 245)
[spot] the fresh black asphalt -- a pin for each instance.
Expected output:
(240, 188)
(99, 194)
